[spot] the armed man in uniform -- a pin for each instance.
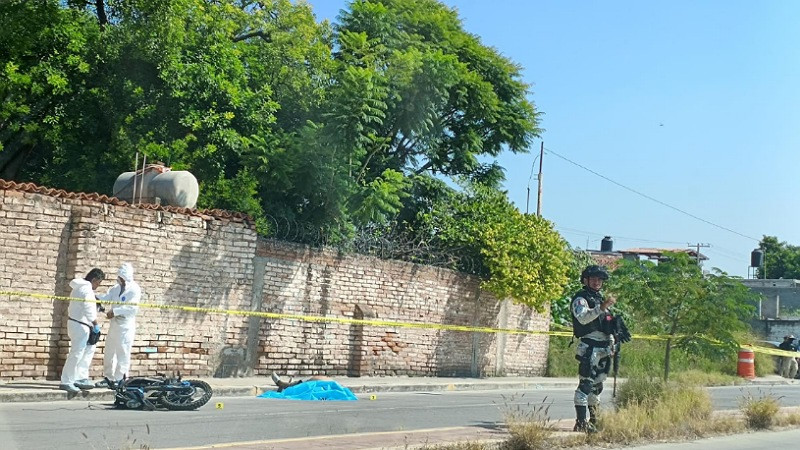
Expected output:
(599, 335)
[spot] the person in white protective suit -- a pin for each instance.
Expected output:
(122, 328)
(82, 317)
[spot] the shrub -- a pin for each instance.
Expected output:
(561, 360)
(459, 446)
(694, 377)
(640, 391)
(529, 426)
(760, 412)
(655, 410)
(642, 358)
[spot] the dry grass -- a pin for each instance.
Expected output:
(529, 425)
(701, 378)
(638, 391)
(787, 420)
(760, 411)
(677, 412)
(647, 410)
(460, 446)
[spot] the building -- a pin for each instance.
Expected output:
(781, 298)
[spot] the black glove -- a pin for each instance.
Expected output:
(622, 333)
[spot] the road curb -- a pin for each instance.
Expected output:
(54, 394)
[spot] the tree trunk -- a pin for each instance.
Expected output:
(102, 17)
(666, 359)
(12, 157)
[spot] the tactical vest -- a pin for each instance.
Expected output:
(593, 299)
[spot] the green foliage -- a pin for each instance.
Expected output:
(420, 94)
(327, 126)
(330, 127)
(521, 256)
(382, 198)
(701, 313)
(645, 358)
(235, 194)
(781, 260)
(46, 60)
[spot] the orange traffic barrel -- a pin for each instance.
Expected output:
(747, 366)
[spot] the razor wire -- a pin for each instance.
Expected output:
(390, 241)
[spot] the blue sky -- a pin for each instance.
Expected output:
(692, 103)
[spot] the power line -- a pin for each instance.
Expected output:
(591, 233)
(651, 198)
(722, 252)
(724, 255)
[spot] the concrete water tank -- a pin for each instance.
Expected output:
(170, 187)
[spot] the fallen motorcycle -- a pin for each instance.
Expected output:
(172, 393)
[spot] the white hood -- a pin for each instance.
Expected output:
(79, 282)
(126, 272)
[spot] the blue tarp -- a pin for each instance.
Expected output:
(313, 390)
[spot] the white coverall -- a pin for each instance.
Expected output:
(122, 327)
(80, 353)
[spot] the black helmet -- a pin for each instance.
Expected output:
(594, 271)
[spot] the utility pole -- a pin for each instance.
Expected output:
(698, 246)
(539, 197)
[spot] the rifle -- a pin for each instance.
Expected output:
(617, 348)
(621, 335)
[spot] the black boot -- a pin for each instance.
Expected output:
(581, 424)
(594, 410)
(584, 427)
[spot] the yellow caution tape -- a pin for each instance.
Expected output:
(562, 330)
(770, 351)
(301, 317)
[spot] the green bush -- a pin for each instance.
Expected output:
(645, 358)
(561, 360)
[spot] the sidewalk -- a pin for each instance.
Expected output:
(46, 390)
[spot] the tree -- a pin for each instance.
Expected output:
(518, 256)
(781, 260)
(329, 127)
(46, 56)
(414, 93)
(698, 314)
(218, 88)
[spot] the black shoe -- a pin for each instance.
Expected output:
(280, 383)
(84, 384)
(106, 383)
(584, 426)
(70, 388)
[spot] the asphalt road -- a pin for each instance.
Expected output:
(79, 424)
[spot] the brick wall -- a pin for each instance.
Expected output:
(178, 260)
(183, 258)
(299, 280)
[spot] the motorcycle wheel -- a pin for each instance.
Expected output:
(193, 396)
